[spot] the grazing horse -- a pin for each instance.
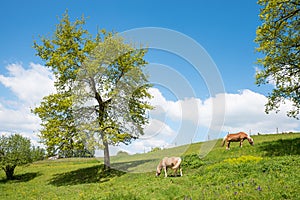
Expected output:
(172, 162)
(237, 137)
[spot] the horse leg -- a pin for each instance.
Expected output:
(175, 172)
(228, 145)
(241, 143)
(180, 171)
(165, 169)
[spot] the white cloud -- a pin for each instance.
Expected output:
(29, 85)
(16, 120)
(244, 111)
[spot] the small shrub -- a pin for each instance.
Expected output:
(155, 149)
(192, 161)
(122, 153)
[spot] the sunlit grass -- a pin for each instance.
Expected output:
(268, 170)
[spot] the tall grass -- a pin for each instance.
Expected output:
(268, 170)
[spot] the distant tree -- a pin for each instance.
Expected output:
(15, 150)
(155, 149)
(279, 41)
(37, 153)
(122, 153)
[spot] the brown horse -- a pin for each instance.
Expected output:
(236, 137)
(172, 162)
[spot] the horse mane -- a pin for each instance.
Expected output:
(224, 140)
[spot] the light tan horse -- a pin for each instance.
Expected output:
(172, 162)
(236, 137)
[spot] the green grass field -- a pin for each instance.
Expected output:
(268, 170)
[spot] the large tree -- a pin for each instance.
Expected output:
(279, 42)
(15, 150)
(112, 93)
(103, 69)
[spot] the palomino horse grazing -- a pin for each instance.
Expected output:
(236, 137)
(172, 162)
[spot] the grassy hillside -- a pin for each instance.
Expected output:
(268, 170)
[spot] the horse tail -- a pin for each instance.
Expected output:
(224, 139)
(177, 164)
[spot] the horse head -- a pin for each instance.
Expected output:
(250, 140)
(158, 169)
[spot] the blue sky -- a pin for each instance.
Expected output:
(225, 29)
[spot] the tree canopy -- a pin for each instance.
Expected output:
(279, 42)
(102, 88)
(112, 93)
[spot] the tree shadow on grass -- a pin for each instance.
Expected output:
(95, 174)
(129, 166)
(22, 177)
(282, 147)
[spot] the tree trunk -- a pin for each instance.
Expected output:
(9, 171)
(101, 113)
(106, 156)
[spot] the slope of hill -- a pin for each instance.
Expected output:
(268, 170)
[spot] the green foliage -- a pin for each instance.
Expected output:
(65, 52)
(155, 149)
(278, 39)
(14, 151)
(192, 161)
(116, 81)
(122, 153)
(59, 132)
(37, 153)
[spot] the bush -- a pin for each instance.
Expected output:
(37, 153)
(14, 151)
(122, 153)
(155, 149)
(192, 161)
